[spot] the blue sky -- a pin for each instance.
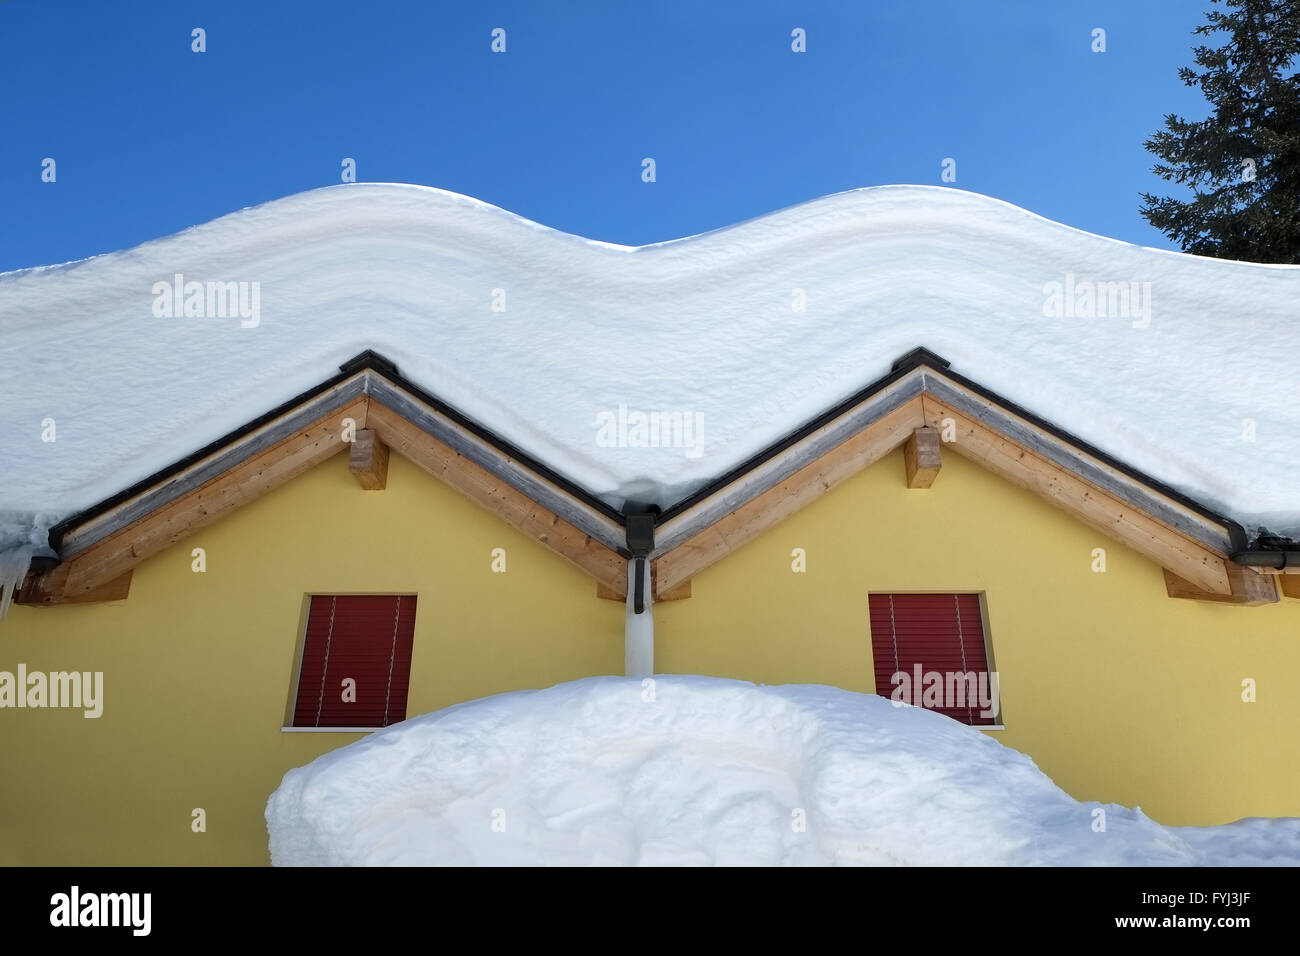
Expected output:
(150, 137)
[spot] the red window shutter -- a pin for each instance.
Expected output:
(941, 633)
(364, 638)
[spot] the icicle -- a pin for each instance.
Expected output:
(13, 568)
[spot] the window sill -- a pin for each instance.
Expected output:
(330, 730)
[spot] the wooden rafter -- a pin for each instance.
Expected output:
(680, 593)
(911, 412)
(101, 571)
(1248, 588)
(1086, 501)
(498, 496)
(112, 556)
(715, 542)
(922, 458)
(47, 589)
(368, 461)
(1205, 570)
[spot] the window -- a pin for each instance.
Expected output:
(356, 661)
(929, 650)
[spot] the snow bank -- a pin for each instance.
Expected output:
(693, 770)
(413, 272)
(1257, 841)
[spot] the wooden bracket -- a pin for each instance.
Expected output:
(368, 460)
(104, 562)
(1248, 588)
(727, 533)
(1192, 560)
(922, 456)
(497, 495)
(44, 590)
(678, 592)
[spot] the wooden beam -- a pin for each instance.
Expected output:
(679, 593)
(1290, 585)
(43, 590)
(812, 447)
(111, 557)
(577, 510)
(1137, 493)
(780, 501)
(1248, 588)
(100, 571)
(922, 457)
(107, 521)
(1166, 546)
(498, 496)
(368, 461)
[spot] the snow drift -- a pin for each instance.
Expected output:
(693, 770)
(1178, 390)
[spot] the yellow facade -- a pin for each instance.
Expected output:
(198, 668)
(1118, 692)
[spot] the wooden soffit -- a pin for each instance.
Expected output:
(1177, 535)
(99, 549)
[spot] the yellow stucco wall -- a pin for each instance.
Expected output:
(1118, 692)
(198, 668)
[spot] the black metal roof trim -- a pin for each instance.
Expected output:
(923, 358)
(368, 360)
(1236, 533)
(507, 448)
(904, 366)
(918, 358)
(58, 531)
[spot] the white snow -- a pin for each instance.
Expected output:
(694, 770)
(1257, 841)
(703, 325)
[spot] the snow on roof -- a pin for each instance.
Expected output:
(708, 771)
(557, 342)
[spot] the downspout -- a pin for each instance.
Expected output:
(638, 625)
